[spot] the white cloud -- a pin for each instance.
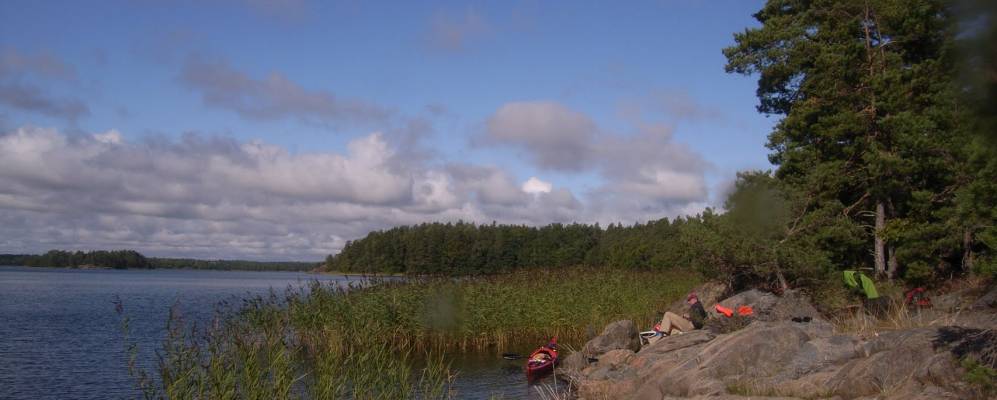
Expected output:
(536, 186)
(216, 197)
(646, 175)
(109, 137)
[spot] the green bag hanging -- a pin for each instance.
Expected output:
(856, 279)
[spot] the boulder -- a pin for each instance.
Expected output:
(671, 343)
(761, 302)
(574, 362)
(599, 389)
(617, 335)
(709, 294)
(949, 302)
(612, 365)
(761, 349)
(819, 353)
(793, 304)
(889, 362)
(988, 300)
(616, 358)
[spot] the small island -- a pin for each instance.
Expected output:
(131, 259)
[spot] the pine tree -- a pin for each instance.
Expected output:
(866, 93)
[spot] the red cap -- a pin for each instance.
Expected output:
(692, 296)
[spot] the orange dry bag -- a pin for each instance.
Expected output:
(745, 310)
(725, 311)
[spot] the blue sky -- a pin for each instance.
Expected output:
(311, 123)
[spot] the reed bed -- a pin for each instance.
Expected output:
(493, 312)
(389, 339)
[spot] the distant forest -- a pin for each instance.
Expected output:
(465, 248)
(131, 259)
(885, 150)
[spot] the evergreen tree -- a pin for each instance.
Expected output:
(866, 91)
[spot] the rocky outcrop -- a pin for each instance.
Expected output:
(774, 356)
(988, 300)
(709, 294)
(617, 335)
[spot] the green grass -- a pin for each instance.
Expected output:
(982, 378)
(479, 313)
(390, 339)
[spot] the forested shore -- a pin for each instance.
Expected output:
(885, 155)
(131, 259)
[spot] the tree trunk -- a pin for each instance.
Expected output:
(891, 264)
(879, 252)
(967, 251)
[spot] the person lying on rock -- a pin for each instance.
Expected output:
(694, 319)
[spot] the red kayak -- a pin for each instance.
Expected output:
(542, 361)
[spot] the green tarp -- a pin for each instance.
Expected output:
(855, 279)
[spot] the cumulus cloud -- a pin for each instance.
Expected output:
(645, 173)
(218, 197)
(554, 136)
(273, 96)
(453, 32)
(536, 186)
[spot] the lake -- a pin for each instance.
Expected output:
(60, 337)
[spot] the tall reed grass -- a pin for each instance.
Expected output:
(389, 339)
(493, 312)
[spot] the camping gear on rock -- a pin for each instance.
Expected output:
(858, 280)
(745, 311)
(917, 297)
(724, 310)
(645, 337)
(542, 360)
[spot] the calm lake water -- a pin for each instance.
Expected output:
(60, 337)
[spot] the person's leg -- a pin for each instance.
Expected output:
(666, 323)
(676, 321)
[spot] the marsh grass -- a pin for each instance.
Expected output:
(388, 338)
(493, 312)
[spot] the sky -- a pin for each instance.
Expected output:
(280, 130)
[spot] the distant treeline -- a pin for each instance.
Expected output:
(465, 248)
(119, 259)
(242, 265)
(131, 259)
(13, 259)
